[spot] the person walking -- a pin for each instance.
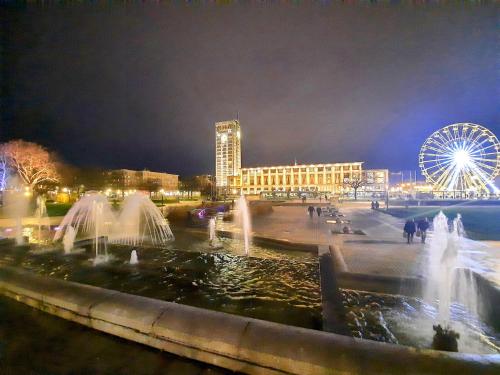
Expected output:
(410, 228)
(311, 211)
(318, 210)
(377, 205)
(422, 226)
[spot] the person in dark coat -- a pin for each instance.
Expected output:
(318, 210)
(410, 229)
(311, 211)
(373, 205)
(377, 206)
(423, 225)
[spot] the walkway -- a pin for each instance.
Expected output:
(382, 251)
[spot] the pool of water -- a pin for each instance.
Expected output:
(408, 321)
(275, 285)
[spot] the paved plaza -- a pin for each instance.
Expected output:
(382, 250)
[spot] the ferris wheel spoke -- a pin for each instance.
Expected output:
(437, 168)
(438, 160)
(496, 145)
(452, 182)
(468, 180)
(438, 150)
(480, 177)
(483, 165)
(444, 179)
(477, 138)
(474, 151)
(483, 142)
(442, 145)
(433, 174)
(488, 160)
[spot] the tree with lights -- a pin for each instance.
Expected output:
(3, 171)
(30, 161)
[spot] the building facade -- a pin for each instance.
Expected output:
(125, 179)
(332, 178)
(227, 152)
(376, 182)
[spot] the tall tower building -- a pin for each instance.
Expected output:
(227, 151)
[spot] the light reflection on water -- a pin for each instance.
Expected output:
(413, 325)
(273, 285)
(410, 320)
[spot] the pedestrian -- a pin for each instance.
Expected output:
(311, 211)
(409, 229)
(377, 205)
(318, 210)
(303, 199)
(422, 227)
(373, 205)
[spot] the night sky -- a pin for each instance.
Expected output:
(140, 86)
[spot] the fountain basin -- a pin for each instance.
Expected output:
(275, 285)
(234, 342)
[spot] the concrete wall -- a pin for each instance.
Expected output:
(234, 342)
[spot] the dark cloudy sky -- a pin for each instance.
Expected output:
(140, 86)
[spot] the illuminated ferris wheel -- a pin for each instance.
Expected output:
(461, 157)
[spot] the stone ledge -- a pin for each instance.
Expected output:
(234, 342)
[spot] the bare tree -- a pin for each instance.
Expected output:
(355, 183)
(32, 162)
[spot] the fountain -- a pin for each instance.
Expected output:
(212, 237)
(133, 257)
(448, 279)
(42, 219)
(244, 221)
(69, 239)
(90, 218)
(16, 203)
(141, 221)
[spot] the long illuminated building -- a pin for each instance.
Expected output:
(330, 178)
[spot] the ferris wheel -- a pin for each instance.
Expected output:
(461, 157)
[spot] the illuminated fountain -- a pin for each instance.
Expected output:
(448, 278)
(90, 218)
(212, 236)
(139, 222)
(133, 257)
(16, 203)
(244, 221)
(69, 239)
(42, 219)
